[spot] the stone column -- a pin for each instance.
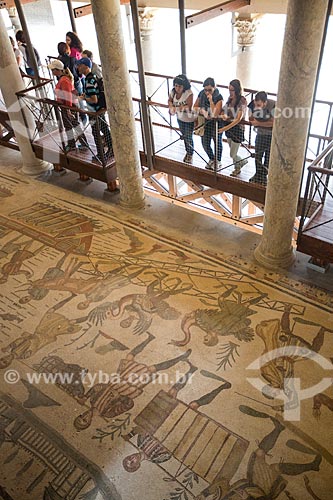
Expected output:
(146, 20)
(299, 63)
(10, 83)
(246, 34)
(108, 24)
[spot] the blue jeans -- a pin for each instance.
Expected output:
(262, 152)
(186, 129)
(206, 140)
(79, 88)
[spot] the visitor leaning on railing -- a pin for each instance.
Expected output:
(64, 95)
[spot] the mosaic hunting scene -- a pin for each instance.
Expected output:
(136, 366)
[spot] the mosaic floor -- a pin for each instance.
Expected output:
(133, 366)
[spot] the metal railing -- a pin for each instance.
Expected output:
(50, 119)
(318, 193)
(159, 87)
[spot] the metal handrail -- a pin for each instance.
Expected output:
(313, 184)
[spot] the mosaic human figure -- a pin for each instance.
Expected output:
(277, 334)
(95, 288)
(116, 397)
(11, 246)
(320, 400)
(51, 326)
(265, 480)
(14, 266)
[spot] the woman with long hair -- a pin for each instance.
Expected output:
(209, 104)
(22, 45)
(69, 60)
(180, 103)
(233, 112)
(64, 95)
(18, 55)
(75, 44)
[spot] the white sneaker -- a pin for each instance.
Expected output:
(238, 166)
(188, 158)
(235, 172)
(242, 163)
(210, 165)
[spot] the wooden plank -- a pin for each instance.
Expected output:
(315, 248)
(74, 164)
(85, 10)
(8, 4)
(203, 193)
(236, 207)
(172, 185)
(254, 192)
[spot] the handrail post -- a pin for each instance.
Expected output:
(321, 55)
(71, 15)
(181, 5)
(27, 38)
(306, 194)
(216, 146)
(146, 121)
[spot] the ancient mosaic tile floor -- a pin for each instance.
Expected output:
(132, 366)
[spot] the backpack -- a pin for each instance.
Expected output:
(101, 102)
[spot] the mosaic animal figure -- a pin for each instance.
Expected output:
(231, 318)
(51, 326)
(141, 307)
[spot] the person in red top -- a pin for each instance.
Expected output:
(64, 95)
(75, 44)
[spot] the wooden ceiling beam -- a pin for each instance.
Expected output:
(8, 4)
(217, 10)
(85, 10)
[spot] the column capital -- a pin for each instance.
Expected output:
(246, 26)
(146, 20)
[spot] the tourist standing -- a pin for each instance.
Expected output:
(180, 103)
(209, 104)
(233, 112)
(261, 115)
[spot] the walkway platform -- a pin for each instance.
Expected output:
(167, 159)
(316, 238)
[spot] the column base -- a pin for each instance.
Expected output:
(130, 205)
(272, 262)
(40, 167)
